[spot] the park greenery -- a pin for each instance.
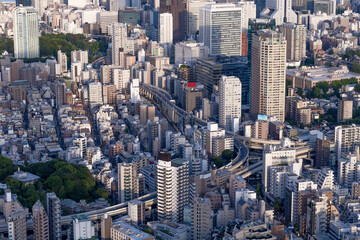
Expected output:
(51, 43)
(66, 180)
(226, 157)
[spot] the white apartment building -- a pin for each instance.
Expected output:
(118, 32)
(346, 139)
(120, 78)
(95, 93)
(188, 52)
(82, 228)
(348, 170)
(230, 101)
(166, 28)
(172, 187)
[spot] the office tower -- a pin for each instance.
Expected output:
(188, 52)
(23, 2)
(348, 170)
(60, 94)
(166, 28)
(260, 5)
(345, 110)
(95, 93)
(54, 213)
(80, 56)
(192, 16)
(192, 98)
(40, 6)
(105, 226)
(120, 78)
(17, 225)
(26, 32)
(106, 18)
(322, 153)
(62, 60)
(134, 90)
(130, 16)
(178, 10)
(295, 35)
(209, 70)
(279, 10)
(172, 187)
(136, 211)
(249, 12)
(346, 139)
(118, 32)
(267, 90)
(202, 221)
(230, 101)
(115, 5)
(82, 228)
(220, 29)
(41, 222)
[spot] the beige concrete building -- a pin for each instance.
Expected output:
(41, 222)
(123, 230)
(106, 224)
(17, 225)
(295, 35)
(345, 110)
(202, 219)
(267, 87)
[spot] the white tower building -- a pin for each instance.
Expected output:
(165, 28)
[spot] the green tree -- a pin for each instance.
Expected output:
(277, 205)
(227, 154)
(218, 162)
(356, 67)
(316, 92)
(357, 87)
(300, 92)
(324, 86)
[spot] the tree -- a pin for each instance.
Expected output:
(316, 92)
(300, 92)
(325, 86)
(258, 190)
(356, 67)
(357, 87)
(277, 205)
(218, 162)
(227, 154)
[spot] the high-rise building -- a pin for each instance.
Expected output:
(120, 78)
(178, 10)
(322, 153)
(60, 94)
(125, 182)
(23, 2)
(346, 139)
(54, 213)
(40, 6)
(118, 32)
(95, 93)
(136, 211)
(62, 60)
(348, 170)
(106, 18)
(318, 215)
(202, 221)
(41, 222)
(220, 28)
(279, 10)
(17, 225)
(105, 226)
(345, 110)
(188, 52)
(172, 187)
(267, 88)
(295, 35)
(192, 16)
(26, 32)
(165, 28)
(249, 12)
(82, 228)
(80, 56)
(135, 90)
(230, 101)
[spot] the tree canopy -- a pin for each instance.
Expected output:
(66, 180)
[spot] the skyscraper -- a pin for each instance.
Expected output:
(267, 90)
(346, 139)
(41, 222)
(178, 10)
(95, 93)
(26, 32)
(166, 28)
(60, 94)
(62, 60)
(230, 101)
(125, 182)
(295, 35)
(54, 214)
(280, 10)
(17, 225)
(172, 187)
(23, 2)
(118, 32)
(220, 28)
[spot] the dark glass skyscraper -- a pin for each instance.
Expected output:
(178, 10)
(23, 2)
